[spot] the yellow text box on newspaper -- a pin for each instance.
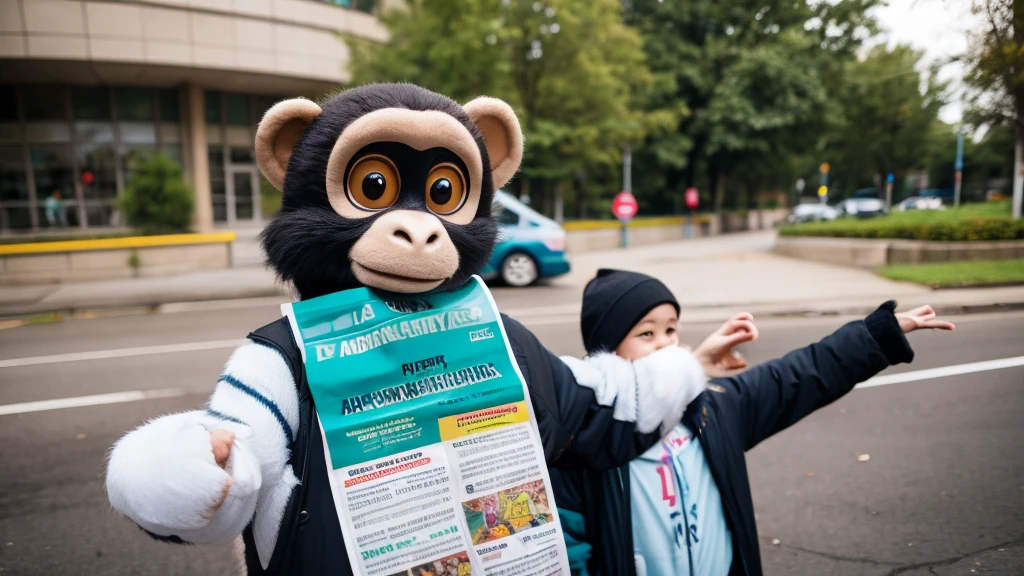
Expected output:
(485, 420)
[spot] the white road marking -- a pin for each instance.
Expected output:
(942, 372)
(95, 400)
(121, 353)
(136, 395)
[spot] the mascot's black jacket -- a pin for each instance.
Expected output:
(732, 416)
(310, 541)
(388, 187)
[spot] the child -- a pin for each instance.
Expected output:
(684, 506)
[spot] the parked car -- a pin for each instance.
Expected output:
(919, 203)
(816, 212)
(530, 245)
(864, 203)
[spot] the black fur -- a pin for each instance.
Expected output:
(308, 243)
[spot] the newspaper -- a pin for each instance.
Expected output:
(434, 456)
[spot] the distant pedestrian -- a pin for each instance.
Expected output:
(684, 507)
(55, 210)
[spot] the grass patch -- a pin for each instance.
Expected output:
(985, 221)
(958, 274)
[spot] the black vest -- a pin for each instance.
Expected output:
(310, 540)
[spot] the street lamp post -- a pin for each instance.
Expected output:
(959, 166)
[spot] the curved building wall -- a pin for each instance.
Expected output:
(87, 87)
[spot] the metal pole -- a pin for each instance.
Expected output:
(959, 166)
(1018, 176)
(627, 170)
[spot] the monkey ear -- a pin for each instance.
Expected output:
(278, 132)
(502, 136)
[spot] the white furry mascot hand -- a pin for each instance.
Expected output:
(203, 476)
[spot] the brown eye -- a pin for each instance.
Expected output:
(373, 183)
(446, 189)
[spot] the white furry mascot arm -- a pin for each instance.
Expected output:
(164, 476)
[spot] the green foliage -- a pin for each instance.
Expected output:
(959, 274)
(156, 199)
(270, 198)
(737, 98)
(995, 64)
(988, 221)
(570, 68)
(755, 80)
(887, 121)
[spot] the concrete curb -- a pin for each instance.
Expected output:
(16, 311)
(38, 313)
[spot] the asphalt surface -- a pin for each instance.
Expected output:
(942, 492)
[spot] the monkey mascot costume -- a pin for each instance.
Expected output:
(387, 187)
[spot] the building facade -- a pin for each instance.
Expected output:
(88, 87)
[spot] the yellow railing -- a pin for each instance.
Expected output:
(116, 243)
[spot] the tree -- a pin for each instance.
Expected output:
(995, 65)
(754, 78)
(570, 68)
(887, 120)
(157, 200)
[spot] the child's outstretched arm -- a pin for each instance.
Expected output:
(777, 394)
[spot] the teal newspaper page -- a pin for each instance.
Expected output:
(435, 460)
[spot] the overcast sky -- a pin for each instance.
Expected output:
(939, 27)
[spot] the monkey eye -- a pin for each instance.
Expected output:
(373, 182)
(446, 189)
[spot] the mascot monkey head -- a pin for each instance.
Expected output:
(387, 186)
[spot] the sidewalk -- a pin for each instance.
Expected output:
(711, 277)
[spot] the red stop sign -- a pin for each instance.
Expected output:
(624, 206)
(692, 198)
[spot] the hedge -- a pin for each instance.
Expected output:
(990, 221)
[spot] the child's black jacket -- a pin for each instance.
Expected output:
(744, 410)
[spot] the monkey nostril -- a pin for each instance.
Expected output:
(433, 238)
(403, 235)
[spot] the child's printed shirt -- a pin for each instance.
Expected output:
(677, 511)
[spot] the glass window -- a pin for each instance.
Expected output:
(13, 186)
(8, 104)
(10, 132)
(48, 132)
(170, 110)
(97, 165)
(55, 190)
(263, 103)
(242, 155)
(237, 110)
(91, 103)
(45, 103)
(134, 104)
(365, 5)
(212, 105)
(243, 195)
(137, 133)
(218, 188)
(508, 218)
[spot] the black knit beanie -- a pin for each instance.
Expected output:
(614, 302)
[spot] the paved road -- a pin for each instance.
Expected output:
(942, 491)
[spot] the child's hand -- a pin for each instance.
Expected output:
(921, 318)
(716, 353)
